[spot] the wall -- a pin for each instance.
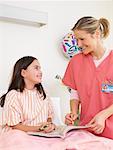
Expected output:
(44, 43)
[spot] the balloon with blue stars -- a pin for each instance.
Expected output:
(69, 45)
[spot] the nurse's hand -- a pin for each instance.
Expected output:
(70, 118)
(98, 123)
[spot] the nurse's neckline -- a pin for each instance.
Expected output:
(99, 57)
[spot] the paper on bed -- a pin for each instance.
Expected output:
(59, 132)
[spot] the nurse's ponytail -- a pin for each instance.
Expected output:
(91, 24)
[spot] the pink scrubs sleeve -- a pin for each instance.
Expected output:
(69, 79)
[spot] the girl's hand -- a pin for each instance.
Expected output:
(70, 118)
(49, 119)
(47, 127)
(98, 123)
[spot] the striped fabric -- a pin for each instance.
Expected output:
(27, 107)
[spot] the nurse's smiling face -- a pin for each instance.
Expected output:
(86, 41)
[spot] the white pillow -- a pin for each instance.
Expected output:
(57, 110)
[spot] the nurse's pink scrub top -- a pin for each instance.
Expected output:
(82, 75)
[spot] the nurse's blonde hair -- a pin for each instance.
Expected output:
(91, 24)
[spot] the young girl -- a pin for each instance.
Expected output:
(26, 105)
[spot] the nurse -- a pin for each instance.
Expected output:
(87, 74)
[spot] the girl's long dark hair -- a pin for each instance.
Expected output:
(17, 81)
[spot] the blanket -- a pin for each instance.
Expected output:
(75, 140)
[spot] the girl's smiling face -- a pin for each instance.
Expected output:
(33, 74)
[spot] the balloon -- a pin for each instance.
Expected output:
(69, 45)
